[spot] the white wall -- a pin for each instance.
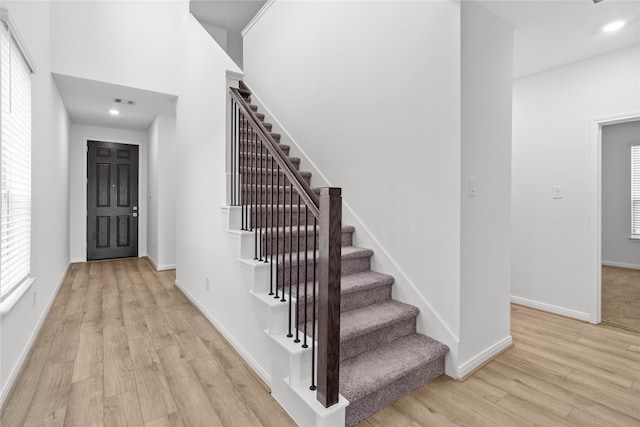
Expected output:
(485, 263)
(50, 195)
(371, 93)
(552, 245)
(617, 249)
(132, 43)
(218, 34)
(162, 177)
(78, 187)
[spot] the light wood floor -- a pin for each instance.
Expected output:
(123, 346)
(560, 372)
(621, 297)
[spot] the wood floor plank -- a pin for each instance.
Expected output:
(226, 400)
(154, 394)
(454, 410)
(85, 404)
(265, 407)
(65, 344)
(215, 342)
(565, 390)
(171, 420)
(408, 410)
(193, 404)
(454, 390)
(88, 361)
(159, 329)
(134, 320)
(15, 411)
(49, 403)
(118, 367)
(189, 341)
(123, 410)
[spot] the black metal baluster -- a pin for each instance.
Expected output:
(297, 340)
(284, 238)
(313, 315)
(233, 161)
(306, 283)
(267, 248)
(290, 253)
(254, 155)
(252, 178)
(277, 232)
(243, 178)
(261, 192)
(270, 234)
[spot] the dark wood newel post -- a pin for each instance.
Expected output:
(329, 295)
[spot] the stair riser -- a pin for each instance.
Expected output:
(348, 266)
(366, 342)
(350, 301)
(360, 409)
(285, 242)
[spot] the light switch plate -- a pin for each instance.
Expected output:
(557, 191)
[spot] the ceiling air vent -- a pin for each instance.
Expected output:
(124, 101)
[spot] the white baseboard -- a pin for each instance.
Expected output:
(228, 336)
(550, 308)
(23, 357)
(160, 267)
(468, 367)
(621, 265)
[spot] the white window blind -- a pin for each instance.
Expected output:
(635, 191)
(15, 93)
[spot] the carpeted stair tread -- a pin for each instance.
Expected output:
(359, 282)
(366, 320)
(375, 369)
(348, 252)
(364, 280)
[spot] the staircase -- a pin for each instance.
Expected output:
(382, 357)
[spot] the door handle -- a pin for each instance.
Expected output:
(135, 214)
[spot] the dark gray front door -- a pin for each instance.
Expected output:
(112, 200)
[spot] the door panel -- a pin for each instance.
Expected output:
(112, 200)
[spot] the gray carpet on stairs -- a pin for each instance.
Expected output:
(382, 356)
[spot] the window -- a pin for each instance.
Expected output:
(635, 191)
(15, 167)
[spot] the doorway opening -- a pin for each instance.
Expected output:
(620, 216)
(112, 200)
(597, 207)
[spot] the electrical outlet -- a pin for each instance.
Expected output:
(206, 283)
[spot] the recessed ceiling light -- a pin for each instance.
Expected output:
(114, 112)
(613, 26)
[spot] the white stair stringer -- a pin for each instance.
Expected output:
(290, 362)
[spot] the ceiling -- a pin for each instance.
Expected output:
(547, 34)
(226, 14)
(551, 33)
(88, 103)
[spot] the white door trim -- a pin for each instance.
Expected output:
(596, 222)
(142, 193)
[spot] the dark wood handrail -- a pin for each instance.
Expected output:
(304, 190)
